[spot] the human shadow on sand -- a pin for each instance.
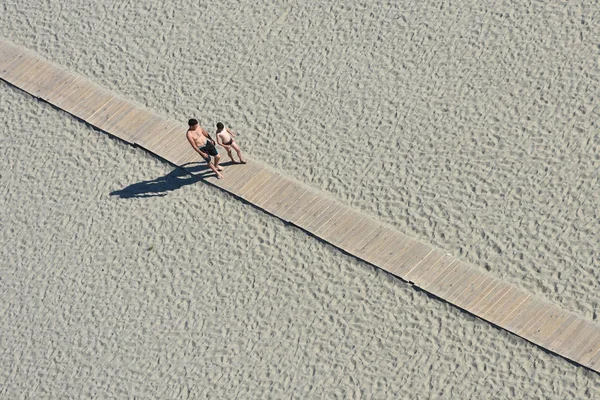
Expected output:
(194, 172)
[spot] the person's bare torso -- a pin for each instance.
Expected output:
(197, 137)
(225, 136)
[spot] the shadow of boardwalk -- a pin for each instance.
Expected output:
(158, 187)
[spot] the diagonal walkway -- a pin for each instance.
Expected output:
(443, 275)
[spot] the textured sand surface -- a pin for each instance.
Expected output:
(123, 278)
(471, 126)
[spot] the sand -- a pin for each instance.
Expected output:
(472, 127)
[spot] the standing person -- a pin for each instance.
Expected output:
(225, 139)
(204, 145)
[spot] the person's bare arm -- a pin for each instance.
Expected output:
(232, 133)
(220, 141)
(207, 135)
(189, 138)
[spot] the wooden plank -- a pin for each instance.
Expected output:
(57, 91)
(237, 171)
(160, 137)
(438, 278)
(123, 128)
(338, 233)
(411, 258)
(70, 98)
(168, 141)
(393, 246)
(476, 279)
(535, 324)
(429, 275)
(8, 55)
(12, 64)
(269, 190)
(460, 279)
(592, 350)
(237, 175)
(385, 241)
(397, 244)
(144, 129)
(123, 114)
(530, 319)
(579, 341)
(275, 194)
(567, 334)
(28, 70)
(551, 325)
(34, 74)
(106, 113)
(114, 105)
(266, 189)
(594, 362)
(582, 343)
(377, 244)
(29, 80)
(283, 198)
(46, 86)
(520, 304)
(490, 300)
(189, 156)
(473, 295)
(467, 277)
(175, 151)
(510, 306)
(319, 220)
(304, 203)
(317, 207)
(344, 232)
(362, 237)
(177, 133)
(88, 106)
(428, 265)
(73, 96)
(325, 218)
(255, 183)
(500, 303)
(13, 70)
(362, 234)
(91, 106)
(527, 314)
(250, 171)
(50, 76)
(342, 215)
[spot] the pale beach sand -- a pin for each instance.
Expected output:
(473, 127)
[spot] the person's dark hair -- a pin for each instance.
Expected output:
(193, 122)
(219, 125)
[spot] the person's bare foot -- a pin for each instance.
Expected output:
(219, 169)
(219, 176)
(242, 161)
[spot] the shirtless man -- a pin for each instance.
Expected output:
(204, 145)
(225, 139)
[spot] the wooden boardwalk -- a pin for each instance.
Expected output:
(443, 275)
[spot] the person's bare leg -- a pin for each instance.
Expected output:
(212, 167)
(239, 152)
(217, 158)
(230, 155)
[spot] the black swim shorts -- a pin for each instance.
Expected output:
(209, 149)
